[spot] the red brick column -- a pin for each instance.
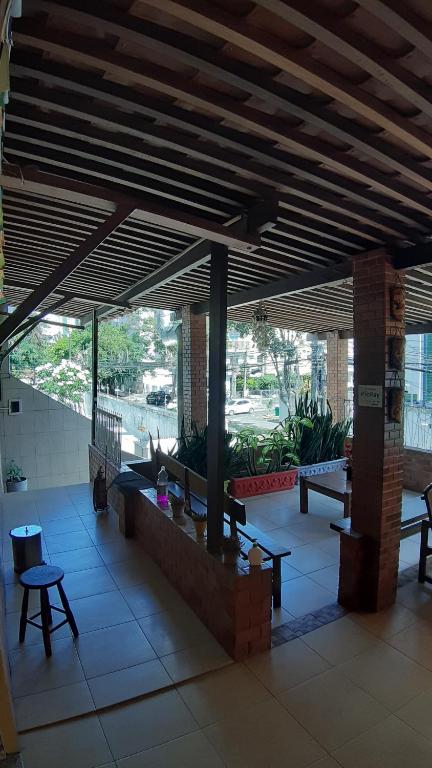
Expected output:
(337, 374)
(194, 368)
(369, 558)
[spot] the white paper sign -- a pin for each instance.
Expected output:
(370, 395)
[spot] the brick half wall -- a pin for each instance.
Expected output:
(417, 468)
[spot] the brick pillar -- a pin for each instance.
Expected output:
(369, 556)
(194, 368)
(337, 374)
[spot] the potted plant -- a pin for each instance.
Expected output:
(231, 548)
(200, 522)
(177, 505)
(15, 481)
(269, 463)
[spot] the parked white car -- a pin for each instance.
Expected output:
(239, 406)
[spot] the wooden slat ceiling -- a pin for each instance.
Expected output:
(211, 106)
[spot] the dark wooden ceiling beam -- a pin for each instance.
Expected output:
(288, 285)
(402, 19)
(257, 219)
(23, 286)
(246, 118)
(271, 49)
(30, 179)
(293, 165)
(405, 258)
(189, 51)
(338, 36)
(58, 276)
(237, 154)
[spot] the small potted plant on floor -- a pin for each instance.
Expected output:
(15, 481)
(231, 548)
(200, 522)
(177, 505)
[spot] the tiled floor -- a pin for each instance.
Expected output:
(136, 634)
(355, 693)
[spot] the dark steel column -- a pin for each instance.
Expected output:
(216, 404)
(180, 401)
(94, 363)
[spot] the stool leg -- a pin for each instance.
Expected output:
(45, 616)
(23, 620)
(67, 610)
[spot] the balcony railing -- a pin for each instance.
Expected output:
(108, 430)
(417, 425)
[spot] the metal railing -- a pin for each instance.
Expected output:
(108, 430)
(417, 425)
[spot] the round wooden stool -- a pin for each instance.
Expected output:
(42, 577)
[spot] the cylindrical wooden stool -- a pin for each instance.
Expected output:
(42, 577)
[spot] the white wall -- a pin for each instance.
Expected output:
(48, 440)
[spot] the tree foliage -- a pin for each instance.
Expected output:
(281, 346)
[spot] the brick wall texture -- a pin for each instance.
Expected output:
(369, 562)
(337, 374)
(234, 602)
(417, 469)
(194, 368)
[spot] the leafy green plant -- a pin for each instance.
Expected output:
(191, 451)
(262, 454)
(316, 437)
(14, 473)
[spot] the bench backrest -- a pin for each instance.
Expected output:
(193, 483)
(427, 497)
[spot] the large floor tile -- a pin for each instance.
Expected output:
(93, 581)
(309, 558)
(286, 665)
(388, 675)
(63, 525)
(391, 744)
(417, 713)
(385, 624)
(174, 630)
(129, 683)
(302, 595)
(115, 551)
(113, 648)
(100, 611)
(67, 542)
(204, 657)
(53, 705)
(151, 597)
(143, 724)
(32, 672)
(129, 573)
(415, 641)
(191, 751)
(263, 734)
(417, 598)
(76, 744)
(213, 697)
(78, 560)
(327, 578)
(332, 708)
(340, 640)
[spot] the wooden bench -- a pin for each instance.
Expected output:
(409, 525)
(272, 551)
(194, 488)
